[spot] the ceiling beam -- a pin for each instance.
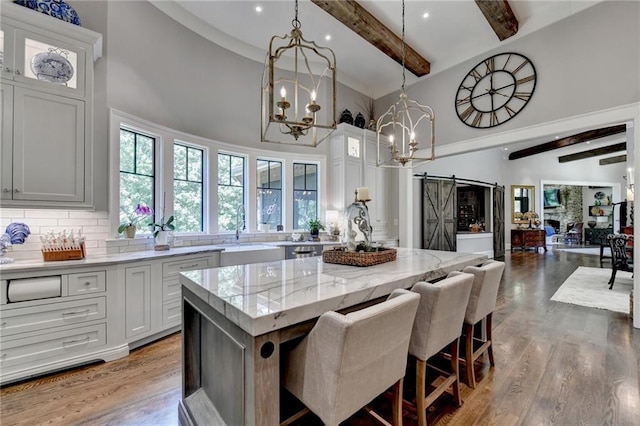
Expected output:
(613, 160)
(367, 26)
(500, 16)
(593, 152)
(568, 141)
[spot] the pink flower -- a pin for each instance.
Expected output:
(142, 210)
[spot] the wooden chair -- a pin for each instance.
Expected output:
(347, 360)
(437, 326)
(620, 259)
(482, 303)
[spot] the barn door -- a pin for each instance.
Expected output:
(439, 214)
(498, 221)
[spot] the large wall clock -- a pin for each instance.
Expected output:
(495, 90)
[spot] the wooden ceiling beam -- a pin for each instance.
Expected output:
(568, 141)
(614, 160)
(593, 152)
(500, 16)
(367, 26)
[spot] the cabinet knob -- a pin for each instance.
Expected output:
(16, 190)
(6, 190)
(17, 72)
(7, 69)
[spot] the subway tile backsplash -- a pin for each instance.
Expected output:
(95, 227)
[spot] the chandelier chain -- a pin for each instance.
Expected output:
(296, 22)
(403, 47)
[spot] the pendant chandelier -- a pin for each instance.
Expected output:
(298, 90)
(402, 126)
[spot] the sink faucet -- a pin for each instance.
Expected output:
(239, 212)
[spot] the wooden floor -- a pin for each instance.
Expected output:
(556, 364)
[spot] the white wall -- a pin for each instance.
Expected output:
(587, 62)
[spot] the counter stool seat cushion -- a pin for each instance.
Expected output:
(348, 360)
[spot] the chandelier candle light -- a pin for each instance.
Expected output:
(398, 134)
(297, 116)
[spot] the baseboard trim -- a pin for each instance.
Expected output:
(48, 367)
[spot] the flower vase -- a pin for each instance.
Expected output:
(130, 231)
(162, 241)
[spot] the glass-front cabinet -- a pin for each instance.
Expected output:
(47, 103)
(41, 61)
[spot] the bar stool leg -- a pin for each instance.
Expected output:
(454, 369)
(471, 380)
(421, 378)
(490, 339)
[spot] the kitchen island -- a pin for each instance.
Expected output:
(236, 318)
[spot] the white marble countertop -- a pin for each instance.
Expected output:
(93, 260)
(264, 297)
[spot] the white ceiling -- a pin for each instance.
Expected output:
(455, 31)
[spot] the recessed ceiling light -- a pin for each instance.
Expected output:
(588, 142)
(258, 8)
(557, 137)
(327, 37)
(505, 149)
(425, 15)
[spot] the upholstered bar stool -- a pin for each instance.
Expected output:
(348, 360)
(437, 326)
(482, 303)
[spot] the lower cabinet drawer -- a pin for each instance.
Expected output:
(89, 282)
(173, 268)
(171, 289)
(33, 318)
(172, 313)
(63, 343)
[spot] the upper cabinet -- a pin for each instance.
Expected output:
(47, 104)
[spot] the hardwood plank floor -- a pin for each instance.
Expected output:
(555, 364)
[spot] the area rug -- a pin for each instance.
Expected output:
(588, 287)
(585, 250)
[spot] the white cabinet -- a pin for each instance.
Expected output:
(353, 159)
(347, 154)
(47, 104)
(152, 294)
(44, 334)
(137, 307)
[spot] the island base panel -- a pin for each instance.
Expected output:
(227, 373)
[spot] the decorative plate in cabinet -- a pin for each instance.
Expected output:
(52, 66)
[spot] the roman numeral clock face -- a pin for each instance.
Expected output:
(495, 90)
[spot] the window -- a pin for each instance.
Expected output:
(230, 192)
(137, 171)
(269, 193)
(305, 194)
(188, 194)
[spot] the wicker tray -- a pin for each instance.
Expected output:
(50, 256)
(352, 258)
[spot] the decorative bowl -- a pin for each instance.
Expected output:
(56, 8)
(591, 223)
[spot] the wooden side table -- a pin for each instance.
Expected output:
(528, 238)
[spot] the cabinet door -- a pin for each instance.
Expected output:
(48, 147)
(7, 48)
(6, 153)
(49, 64)
(137, 288)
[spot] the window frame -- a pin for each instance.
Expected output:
(269, 187)
(164, 179)
(293, 180)
(244, 187)
(203, 183)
